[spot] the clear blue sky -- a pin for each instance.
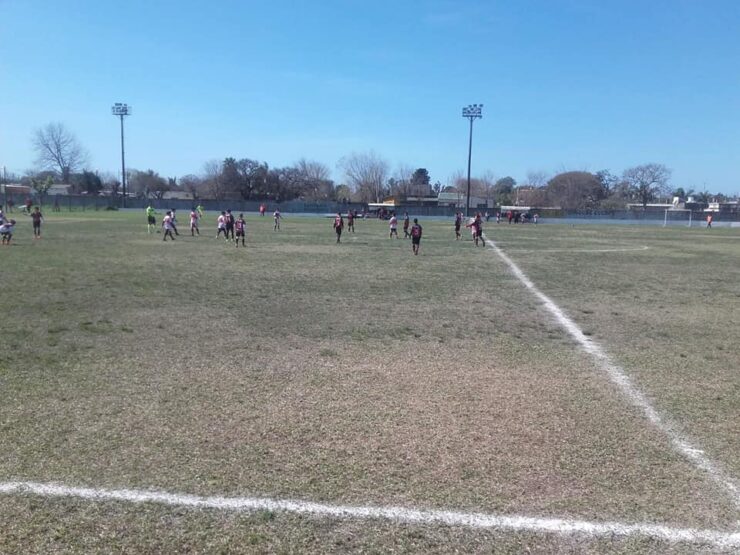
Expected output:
(571, 84)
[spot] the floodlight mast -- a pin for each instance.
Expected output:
(119, 109)
(472, 111)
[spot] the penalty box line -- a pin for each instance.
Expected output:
(514, 523)
(619, 377)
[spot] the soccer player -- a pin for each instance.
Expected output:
(167, 226)
(458, 223)
(194, 217)
(229, 225)
(276, 216)
(6, 231)
(338, 226)
(476, 227)
(37, 218)
(151, 221)
(393, 224)
(241, 229)
(415, 236)
(709, 220)
(174, 221)
(199, 208)
(222, 225)
(406, 233)
(350, 221)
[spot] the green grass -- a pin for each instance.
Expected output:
(359, 373)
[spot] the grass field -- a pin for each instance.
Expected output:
(359, 374)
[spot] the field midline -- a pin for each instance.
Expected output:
(515, 523)
(619, 377)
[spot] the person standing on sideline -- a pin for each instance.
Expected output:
(276, 216)
(36, 219)
(194, 222)
(263, 208)
(393, 224)
(338, 226)
(241, 230)
(222, 225)
(151, 221)
(415, 236)
(709, 220)
(199, 209)
(458, 223)
(350, 221)
(406, 233)
(167, 225)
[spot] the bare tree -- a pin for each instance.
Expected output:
(58, 149)
(366, 173)
(191, 184)
(213, 180)
(315, 171)
(647, 181)
(537, 178)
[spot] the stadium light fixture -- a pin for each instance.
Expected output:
(472, 112)
(121, 110)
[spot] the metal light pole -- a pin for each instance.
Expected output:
(471, 112)
(122, 110)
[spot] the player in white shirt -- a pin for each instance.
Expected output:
(167, 226)
(393, 223)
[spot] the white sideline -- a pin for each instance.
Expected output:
(621, 379)
(557, 526)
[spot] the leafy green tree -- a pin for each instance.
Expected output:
(87, 182)
(575, 190)
(503, 190)
(41, 186)
(420, 183)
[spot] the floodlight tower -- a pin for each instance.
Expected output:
(472, 112)
(122, 110)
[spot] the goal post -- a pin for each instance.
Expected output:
(678, 216)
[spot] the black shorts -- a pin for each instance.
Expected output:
(240, 234)
(415, 240)
(229, 228)
(151, 220)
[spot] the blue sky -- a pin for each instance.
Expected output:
(570, 84)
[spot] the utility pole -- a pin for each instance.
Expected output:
(119, 109)
(472, 112)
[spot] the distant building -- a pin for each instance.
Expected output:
(58, 189)
(457, 200)
(177, 195)
(16, 189)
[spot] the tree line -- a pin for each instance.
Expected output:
(366, 178)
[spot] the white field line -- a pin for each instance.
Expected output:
(623, 381)
(616, 249)
(517, 523)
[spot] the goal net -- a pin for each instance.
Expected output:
(677, 216)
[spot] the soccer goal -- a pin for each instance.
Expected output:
(677, 216)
